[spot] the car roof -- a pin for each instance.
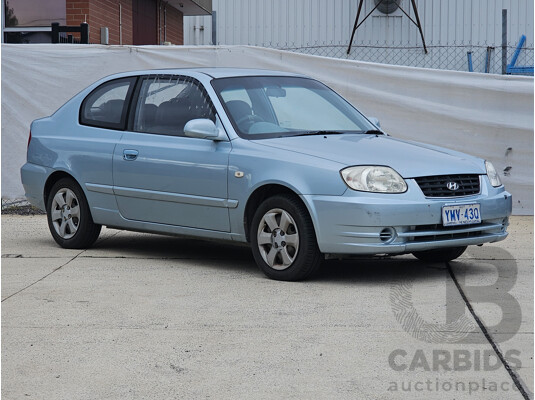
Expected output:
(230, 72)
(214, 72)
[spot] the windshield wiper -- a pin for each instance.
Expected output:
(373, 132)
(309, 133)
(327, 132)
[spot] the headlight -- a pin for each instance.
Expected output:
(370, 178)
(492, 174)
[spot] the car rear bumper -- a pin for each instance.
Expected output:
(33, 178)
(370, 223)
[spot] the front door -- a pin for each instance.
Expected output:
(161, 176)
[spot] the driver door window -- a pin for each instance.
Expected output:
(167, 103)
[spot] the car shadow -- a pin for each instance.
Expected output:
(379, 270)
(209, 253)
(238, 258)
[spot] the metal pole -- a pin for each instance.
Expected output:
(214, 28)
(165, 22)
(361, 22)
(419, 24)
(120, 24)
(355, 26)
(504, 41)
(470, 66)
(517, 51)
(3, 20)
(488, 59)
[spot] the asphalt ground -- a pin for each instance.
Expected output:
(142, 316)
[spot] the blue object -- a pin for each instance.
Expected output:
(512, 68)
(470, 66)
(518, 49)
(274, 159)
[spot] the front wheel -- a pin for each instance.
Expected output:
(440, 255)
(69, 218)
(283, 239)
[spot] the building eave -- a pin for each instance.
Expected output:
(191, 7)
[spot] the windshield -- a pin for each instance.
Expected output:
(273, 106)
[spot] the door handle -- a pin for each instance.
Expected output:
(130, 155)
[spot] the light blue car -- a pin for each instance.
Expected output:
(274, 159)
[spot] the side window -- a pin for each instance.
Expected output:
(106, 106)
(166, 103)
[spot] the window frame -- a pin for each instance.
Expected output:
(121, 125)
(136, 98)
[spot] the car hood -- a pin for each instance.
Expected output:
(409, 159)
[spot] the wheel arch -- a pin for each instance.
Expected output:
(262, 193)
(52, 179)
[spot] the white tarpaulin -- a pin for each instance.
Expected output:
(490, 116)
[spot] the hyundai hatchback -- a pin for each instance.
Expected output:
(274, 159)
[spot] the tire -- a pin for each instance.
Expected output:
(440, 255)
(283, 239)
(69, 218)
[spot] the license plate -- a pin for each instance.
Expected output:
(461, 215)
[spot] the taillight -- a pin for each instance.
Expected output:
(30, 138)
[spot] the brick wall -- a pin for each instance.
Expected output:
(77, 12)
(174, 25)
(105, 13)
(102, 13)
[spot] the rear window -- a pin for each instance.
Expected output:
(107, 105)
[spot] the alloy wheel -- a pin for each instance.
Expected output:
(278, 239)
(65, 213)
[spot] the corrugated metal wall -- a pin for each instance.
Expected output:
(303, 24)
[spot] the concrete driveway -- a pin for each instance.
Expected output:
(142, 316)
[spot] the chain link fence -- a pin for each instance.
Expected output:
(8, 203)
(451, 57)
(19, 207)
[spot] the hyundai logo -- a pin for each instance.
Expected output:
(453, 186)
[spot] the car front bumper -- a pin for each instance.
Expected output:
(372, 223)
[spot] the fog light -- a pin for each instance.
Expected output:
(388, 235)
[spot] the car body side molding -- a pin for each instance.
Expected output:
(175, 197)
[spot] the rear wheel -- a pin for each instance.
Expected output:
(283, 239)
(440, 255)
(69, 218)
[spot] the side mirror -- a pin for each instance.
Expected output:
(375, 121)
(201, 128)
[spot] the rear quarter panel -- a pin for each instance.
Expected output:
(60, 143)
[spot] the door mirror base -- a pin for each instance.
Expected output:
(375, 121)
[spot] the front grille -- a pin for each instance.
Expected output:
(439, 232)
(437, 186)
(430, 233)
